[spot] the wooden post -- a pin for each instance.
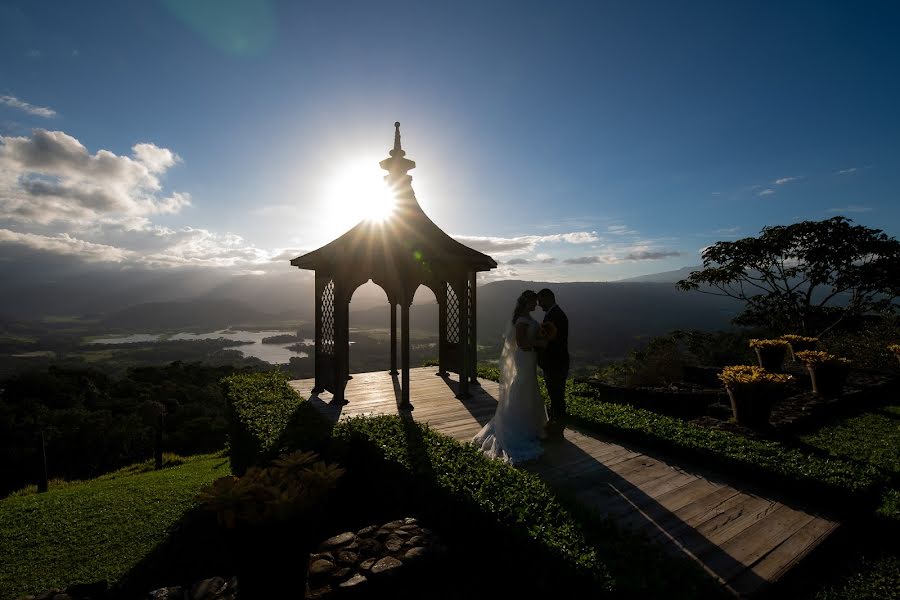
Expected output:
(43, 478)
(404, 361)
(319, 355)
(393, 338)
(464, 366)
(473, 332)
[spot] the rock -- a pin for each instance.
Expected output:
(341, 573)
(322, 592)
(348, 558)
(366, 564)
(367, 531)
(409, 528)
(417, 539)
(321, 555)
(168, 593)
(393, 525)
(369, 547)
(320, 568)
(414, 553)
(62, 596)
(208, 589)
(410, 521)
(383, 533)
(354, 582)
(48, 595)
(338, 541)
(425, 531)
(95, 590)
(401, 534)
(385, 566)
(393, 544)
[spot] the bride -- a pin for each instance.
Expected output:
(515, 433)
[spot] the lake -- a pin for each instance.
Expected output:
(271, 353)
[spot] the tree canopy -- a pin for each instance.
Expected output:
(808, 278)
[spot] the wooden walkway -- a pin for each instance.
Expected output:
(742, 537)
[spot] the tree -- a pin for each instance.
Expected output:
(807, 278)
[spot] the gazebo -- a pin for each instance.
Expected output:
(399, 254)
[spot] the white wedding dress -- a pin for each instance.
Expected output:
(514, 434)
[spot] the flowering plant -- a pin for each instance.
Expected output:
(817, 357)
(895, 348)
(747, 375)
(547, 330)
(776, 343)
(802, 339)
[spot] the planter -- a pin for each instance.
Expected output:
(827, 380)
(751, 405)
(771, 358)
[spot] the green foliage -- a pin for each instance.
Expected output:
(94, 423)
(770, 460)
(874, 577)
(292, 486)
(97, 529)
(264, 411)
(872, 438)
(804, 278)
(867, 342)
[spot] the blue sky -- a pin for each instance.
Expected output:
(572, 141)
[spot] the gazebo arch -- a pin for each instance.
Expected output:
(398, 254)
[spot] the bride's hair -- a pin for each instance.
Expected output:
(521, 302)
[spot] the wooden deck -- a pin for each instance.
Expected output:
(740, 535)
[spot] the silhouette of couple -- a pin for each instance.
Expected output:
(521, 422)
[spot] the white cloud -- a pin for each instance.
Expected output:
(852, 208)
(525, 243)
(65, 244)
(620, 230)
(785, 180)
(849, 171)
(631, 256)
(38, 111)
(50, 176)
(766, 192)
(518, 261)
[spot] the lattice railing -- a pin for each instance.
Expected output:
(452, 316)
(328, 318)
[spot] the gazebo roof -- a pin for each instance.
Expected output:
(406, 240)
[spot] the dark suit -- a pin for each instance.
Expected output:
(554, 361)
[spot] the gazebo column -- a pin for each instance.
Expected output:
(441, 296)
(393, 370)
(341, 339)
(319, 352)
(404, 360)
(473, 331)
(464, 366)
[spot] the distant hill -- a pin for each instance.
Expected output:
(194, 314)
(606, 319)
(664, 277)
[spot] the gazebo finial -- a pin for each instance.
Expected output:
(397, 151)
(397, 165)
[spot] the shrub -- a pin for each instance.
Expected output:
(773, 343)
(817, 357)
(263, 412)
(747, 375)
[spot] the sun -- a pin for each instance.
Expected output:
(357, 191)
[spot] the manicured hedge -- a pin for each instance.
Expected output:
(263, 413)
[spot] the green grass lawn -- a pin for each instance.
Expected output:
(98, 529)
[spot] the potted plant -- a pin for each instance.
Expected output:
(828, 372)
(770, 353)
(798, 343)
(895, 348)
(752, 391)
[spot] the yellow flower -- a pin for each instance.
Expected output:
(817, 357)
(756, 343)
(747, 375)
(895, 348)
(802, 339)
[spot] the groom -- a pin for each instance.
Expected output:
(554, 361)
